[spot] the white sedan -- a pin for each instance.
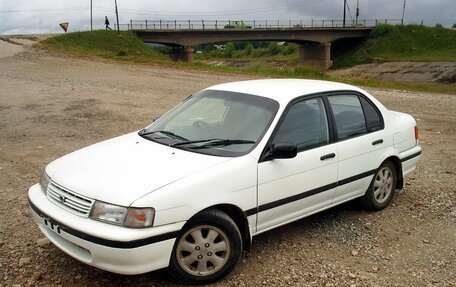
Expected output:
(191, 190)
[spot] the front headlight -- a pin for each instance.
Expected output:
(44, 182)
(123, 216)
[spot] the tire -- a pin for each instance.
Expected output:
(381, 190)
(207, 249)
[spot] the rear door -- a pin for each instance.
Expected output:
(292, 188)
(360, 143)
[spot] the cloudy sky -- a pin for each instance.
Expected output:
(43, 16)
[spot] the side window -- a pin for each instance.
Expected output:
(373, 118)
(304, 125)
(348, 115)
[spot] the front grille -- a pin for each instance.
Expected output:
(71, 201)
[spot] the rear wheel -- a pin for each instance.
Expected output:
(207, 249)
(381, 190)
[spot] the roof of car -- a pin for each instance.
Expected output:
(283, 90)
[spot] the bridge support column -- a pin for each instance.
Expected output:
(317, 55)
(184, 54)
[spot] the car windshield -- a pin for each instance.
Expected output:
(215, 122)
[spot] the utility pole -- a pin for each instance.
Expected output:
(403, 13)
(357, 12)
(345, 6)
(91, 18)
(117, 16)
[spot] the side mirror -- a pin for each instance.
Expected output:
(281, 151)
(155, 118)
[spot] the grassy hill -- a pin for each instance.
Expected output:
(386, 43)
(402, 43)
(107, 44)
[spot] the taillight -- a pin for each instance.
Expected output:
(416, 133)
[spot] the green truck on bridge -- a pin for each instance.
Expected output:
(237, 25)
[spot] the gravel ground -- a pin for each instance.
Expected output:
(51, 105)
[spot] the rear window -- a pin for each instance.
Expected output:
(373, 118)
(348, 115)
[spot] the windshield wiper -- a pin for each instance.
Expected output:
(168, 133)
(213, 142)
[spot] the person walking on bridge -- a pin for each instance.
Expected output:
(107, 23)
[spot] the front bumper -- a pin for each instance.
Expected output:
(108, 247)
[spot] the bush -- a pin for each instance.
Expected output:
(273, 49)
(382, 30)
(229, 50)
(248, 50)
(288, 50)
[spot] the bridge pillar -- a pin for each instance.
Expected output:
(318, 55)
(184, 54)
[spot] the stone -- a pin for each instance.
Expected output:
(42, 242)
(36, 276)
(24, 261)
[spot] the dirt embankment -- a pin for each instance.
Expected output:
(440, 72)
(51, 105)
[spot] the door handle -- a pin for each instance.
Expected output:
(377, 142)
(327, 156)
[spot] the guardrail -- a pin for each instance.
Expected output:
(254, 24)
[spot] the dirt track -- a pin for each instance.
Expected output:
(52, 104)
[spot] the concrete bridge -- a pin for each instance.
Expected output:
(314, 42)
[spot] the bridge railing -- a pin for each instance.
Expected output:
(253, 24)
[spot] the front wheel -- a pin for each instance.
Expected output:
(208, 248)
(381, 190)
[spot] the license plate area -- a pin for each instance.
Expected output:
(52, 225)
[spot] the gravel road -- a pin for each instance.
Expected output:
(52, 104)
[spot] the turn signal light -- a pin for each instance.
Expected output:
(416, 133)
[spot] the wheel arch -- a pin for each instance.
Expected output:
(398, 166)
(239, 217)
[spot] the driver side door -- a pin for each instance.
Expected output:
(289, 189)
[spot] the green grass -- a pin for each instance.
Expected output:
(106, 44)
(265, 70)
(403, 43)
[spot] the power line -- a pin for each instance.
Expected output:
(45, 10)
(345, 8)
(91, 16)
(173, 13)
(349, 12)
(403, 13)
(357, 12)
(215, 13)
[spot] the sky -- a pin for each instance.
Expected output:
(43, 16)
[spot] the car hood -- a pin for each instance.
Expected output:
(125, 168)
